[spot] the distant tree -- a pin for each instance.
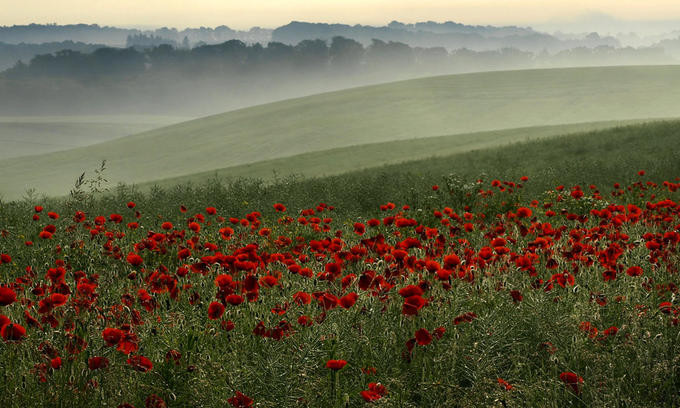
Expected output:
(311, 54)
(279, 55)
(382, 54)
(345, 53)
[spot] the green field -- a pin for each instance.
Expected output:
(422, 108)
(23, 136)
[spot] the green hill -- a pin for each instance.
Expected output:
(429, 107)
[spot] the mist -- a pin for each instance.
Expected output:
(167, 79)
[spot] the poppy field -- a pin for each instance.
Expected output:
(477, 294)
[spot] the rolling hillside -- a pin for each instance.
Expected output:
(374, 155)
(422, 108)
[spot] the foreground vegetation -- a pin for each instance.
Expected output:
(549, 282)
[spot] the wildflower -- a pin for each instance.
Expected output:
(572, 381)
(112, 336)
(423, 337)
(215, 310)
(234, 300)
(506, 385)
(7, 296)
(634, 271)
(240, 400)
(336, 365)
(55, 363)
(412, 305)
(12, 332)
(140, 363)
(96, 363)
(134, 259)
(154, 401)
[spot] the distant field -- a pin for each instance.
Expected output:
(23, 136)
(429, 107)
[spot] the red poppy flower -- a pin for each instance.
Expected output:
(173, 356)
(183, 253)
(279, 207)
(268, 281)
(55, 363)
(336, 365)
(516, 296)
(348, 300)
(302, 298)
(96, 363)
(370, 396)
(112, 336)
(464, 318)
(410, 290)
(154, 401)
(195, 227)
(128, 343)
(12, 332)
(612, 331)
(524, 212)
(215, 310)
(7, 296)
(451, 261)
(563, 279)
(506, 385)
(234, 300)
(140, 363)
(412, 305)
(240, 400)
(572, 381)
(5, 258)
(211, 210)
(134, 259)
(328, 301)
(58, 299)
(634, 271)
(423, 337)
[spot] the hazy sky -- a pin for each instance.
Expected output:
(271, 13)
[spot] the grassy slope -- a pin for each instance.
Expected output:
(22, 136)
(600, 157)
(348, 159)
(397, 111)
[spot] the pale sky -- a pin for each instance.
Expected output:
(243, 14)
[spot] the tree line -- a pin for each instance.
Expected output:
(236, 58)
